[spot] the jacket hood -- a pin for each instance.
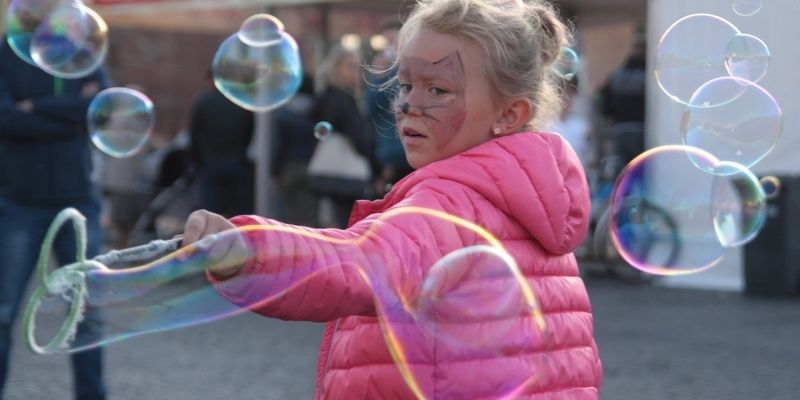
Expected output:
(536, 178)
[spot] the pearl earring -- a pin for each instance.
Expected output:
(496, 131)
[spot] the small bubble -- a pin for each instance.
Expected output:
(322, 129)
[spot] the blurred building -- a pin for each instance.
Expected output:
(166, 46)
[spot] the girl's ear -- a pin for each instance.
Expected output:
(514, 114)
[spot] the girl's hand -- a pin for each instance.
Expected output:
(227, 251)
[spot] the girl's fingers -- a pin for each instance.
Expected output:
(195, 227)
(228, 252)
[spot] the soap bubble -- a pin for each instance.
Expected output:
(733, 119)
(746, 8)
(771, 185)
(568, 63)
(747, 57)
(22, 19)
(71, 42)
(672, 213)
(258, 75)
(322, 129)
(120, 121)
(692, 52)
(261, 30)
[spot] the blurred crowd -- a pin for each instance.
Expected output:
(211, 163)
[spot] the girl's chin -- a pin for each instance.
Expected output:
(417, 162)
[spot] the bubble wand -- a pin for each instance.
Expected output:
(158, 287)
(72, 275)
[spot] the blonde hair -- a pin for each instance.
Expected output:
(327, 73)
(522, 39)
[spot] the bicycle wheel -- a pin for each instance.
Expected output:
(610, 257)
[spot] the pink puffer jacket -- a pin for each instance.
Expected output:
(528, 190)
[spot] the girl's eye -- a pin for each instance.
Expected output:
(405, 87)
(437, 91)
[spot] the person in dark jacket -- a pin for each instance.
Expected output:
(623, 103)
(45, 166)
(220, 134)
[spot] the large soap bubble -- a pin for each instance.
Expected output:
(465, 305)
(734, 120)
(258, 68)
(71, 42)
(673, 210)
(692, 52)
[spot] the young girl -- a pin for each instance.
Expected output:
(475, 82)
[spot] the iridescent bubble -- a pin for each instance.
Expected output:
(71, 42)
(466, 305)
(660, 212)
(22, 19)
(469, 303)
(261, 30)
(733, 119)
(261, 77)
(738, 204)
(568, 63)
(120, 121)
(322, 129)
(747, 57)
(692, 52)
(746, 8)
(771, 186)
(456, 292)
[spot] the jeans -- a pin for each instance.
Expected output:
(22, 230)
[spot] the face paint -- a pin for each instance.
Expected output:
(433, 91)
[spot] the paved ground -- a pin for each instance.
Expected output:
(656, 343)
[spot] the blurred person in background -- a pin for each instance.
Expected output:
(378, 97)
(220, 134)
(127, 191)
(572, 124)
(45, 166)
(337, 84)
(293, 144)
(622, 103)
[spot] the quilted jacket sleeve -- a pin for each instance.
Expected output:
(299, 273)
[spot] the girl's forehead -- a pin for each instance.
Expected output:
(432, 45)
(432, 48)
(448, 65)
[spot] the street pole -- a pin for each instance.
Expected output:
(263, 136)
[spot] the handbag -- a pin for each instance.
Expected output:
(336, 169)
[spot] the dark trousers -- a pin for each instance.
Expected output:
(22, 230)
(227, 188)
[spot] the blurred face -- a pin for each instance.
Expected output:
(348, 70)
(445, 103)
